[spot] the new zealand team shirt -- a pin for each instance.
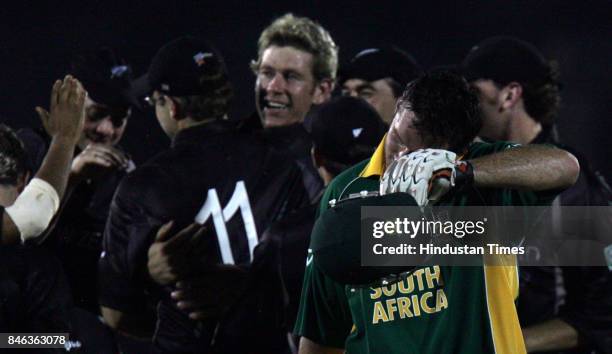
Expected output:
(435, 310)
(231, 182)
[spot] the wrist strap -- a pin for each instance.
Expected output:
(463, 174)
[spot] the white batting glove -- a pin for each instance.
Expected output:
(425, 174)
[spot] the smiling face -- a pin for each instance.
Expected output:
(103, 124)
(285, 88)
(378, 94)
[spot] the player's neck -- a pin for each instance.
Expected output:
(523, 129)
(189, 123)
(325, 175)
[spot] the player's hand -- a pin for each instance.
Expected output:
(67, 110)
(212, 293)
(425, 174)
(173, 254)
(97, 160)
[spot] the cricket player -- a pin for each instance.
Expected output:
(435, 309)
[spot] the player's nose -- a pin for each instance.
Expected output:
(277, 84)
(105, 126)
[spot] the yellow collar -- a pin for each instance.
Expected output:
(376, 166)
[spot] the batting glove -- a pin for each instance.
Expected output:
(426, 174)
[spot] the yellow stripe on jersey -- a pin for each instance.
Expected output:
(501, 283)
(514, 282)
(376, 166)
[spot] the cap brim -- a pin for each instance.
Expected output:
(141, 87)
(359, 73)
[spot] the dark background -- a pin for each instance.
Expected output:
(38, 39)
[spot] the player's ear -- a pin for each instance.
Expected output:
(512, 93)
(322, 91)
(174, 107)
(315, 155)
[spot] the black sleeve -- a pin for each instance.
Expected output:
(118, 292)
(127, 237)
(46, 292)
(588, 306)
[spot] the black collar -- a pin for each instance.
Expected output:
(197, 133)
(292, 139)
(548, 134)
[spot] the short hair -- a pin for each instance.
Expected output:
(12, 156)
(215, 104)
(395, 86)
(446, 109)
(543, 99)
(304, 34)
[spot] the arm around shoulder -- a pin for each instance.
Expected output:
(530, 167)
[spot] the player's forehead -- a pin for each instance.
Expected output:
(92, 107)
(382, 85)
(403, 120)
(484, 87)
(95, 112)
(354, 84)
(287, 58)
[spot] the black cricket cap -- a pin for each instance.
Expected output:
(106, 77)
(346, 130)
(379, 63)
(506, 59)
(178, 68)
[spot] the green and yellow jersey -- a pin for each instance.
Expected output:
(435, 310)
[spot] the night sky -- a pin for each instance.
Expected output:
(39, 38)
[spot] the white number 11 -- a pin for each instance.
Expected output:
(212, 206)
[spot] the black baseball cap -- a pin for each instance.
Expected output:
(178, 67)
(346, 130)
(505, 59)
(106, 77)
(378, 63)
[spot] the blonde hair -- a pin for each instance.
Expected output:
(304, 34)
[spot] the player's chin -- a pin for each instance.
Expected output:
(278, 119)
(100, 140)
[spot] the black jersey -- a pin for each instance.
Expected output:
(77, 235)
(294, 142)
(580, 296)
(234, 183)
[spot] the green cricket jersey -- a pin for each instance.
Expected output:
(435, 310)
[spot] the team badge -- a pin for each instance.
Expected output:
(200, 58)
